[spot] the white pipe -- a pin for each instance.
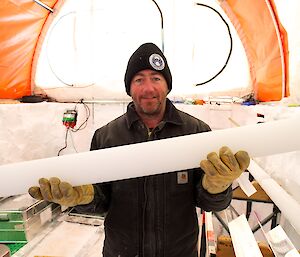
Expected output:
(289, 207)
(243, 239)
(151, 158)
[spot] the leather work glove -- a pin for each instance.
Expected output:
(221, 171)
(53, 190)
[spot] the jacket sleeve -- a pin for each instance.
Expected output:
(100, 203)
(102, 195)
(207, 201)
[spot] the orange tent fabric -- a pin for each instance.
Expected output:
(21, 23)
(24, 23)
(265, 42)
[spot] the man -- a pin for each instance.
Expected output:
(152, 215)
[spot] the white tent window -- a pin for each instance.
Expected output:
(219, 57)
(88, 45)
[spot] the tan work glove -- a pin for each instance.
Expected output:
(221, 171)
(53, 190)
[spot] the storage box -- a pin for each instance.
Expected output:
(22, 217)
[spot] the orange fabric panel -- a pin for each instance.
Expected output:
(284, 41)
(20, 23)
(255, 25)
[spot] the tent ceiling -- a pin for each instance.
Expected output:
(26, 24)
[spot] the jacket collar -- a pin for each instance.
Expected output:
(171, 114)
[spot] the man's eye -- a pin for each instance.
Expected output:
(138, 80)
(156, 78)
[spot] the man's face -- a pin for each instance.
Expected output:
(149, 90)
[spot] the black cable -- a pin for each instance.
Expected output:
(162, 24)
(81, 127)
(87, 112)
(66, 142)
(231, 43)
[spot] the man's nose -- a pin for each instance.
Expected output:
(148, 84)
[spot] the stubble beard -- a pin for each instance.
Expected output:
(151, 110)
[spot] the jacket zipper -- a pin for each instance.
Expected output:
(149, 134)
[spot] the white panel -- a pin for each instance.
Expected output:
(243, 240)
(246, 185)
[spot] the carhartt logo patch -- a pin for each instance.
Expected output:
(182, 177)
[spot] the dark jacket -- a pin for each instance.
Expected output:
(152, 216)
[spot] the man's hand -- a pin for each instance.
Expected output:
(53, 190)
(221, 171)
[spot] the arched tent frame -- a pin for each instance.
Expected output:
(266, 46)
(25, 24)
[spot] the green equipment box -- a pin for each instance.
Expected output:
(23, 217)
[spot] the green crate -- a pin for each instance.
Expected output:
(11, 216)
(16, 225)
(15, 247)
(10, 236)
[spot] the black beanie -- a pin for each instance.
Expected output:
(147, 56)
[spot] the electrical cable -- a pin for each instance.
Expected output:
(162, 25)
(81, 127)
(88, 114)
(66, 142)
(72, 139)
(230, 50)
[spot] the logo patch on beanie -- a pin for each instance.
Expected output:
(157, 62)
